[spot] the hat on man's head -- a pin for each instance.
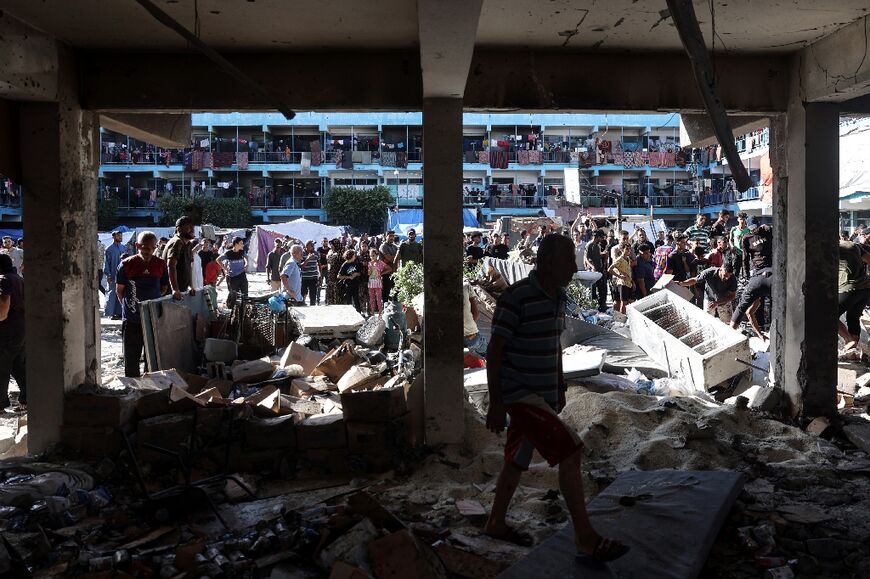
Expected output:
(183, 220)
(116, 232)
(5, 263)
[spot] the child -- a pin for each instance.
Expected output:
(621, 271)
(377, 268)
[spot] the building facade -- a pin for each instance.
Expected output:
(513, 164)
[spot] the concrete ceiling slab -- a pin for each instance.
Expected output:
(447, 34)
(292, 25)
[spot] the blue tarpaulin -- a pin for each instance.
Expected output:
(404, 218)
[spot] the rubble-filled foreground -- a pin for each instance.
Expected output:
(805, 503)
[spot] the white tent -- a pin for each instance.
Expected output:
(303, 229)
(854, 168)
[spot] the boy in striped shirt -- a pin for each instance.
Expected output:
(524, 372)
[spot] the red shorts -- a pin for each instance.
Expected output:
(538, 426)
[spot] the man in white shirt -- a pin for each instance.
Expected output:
(17, 255)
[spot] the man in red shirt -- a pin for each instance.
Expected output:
(141, 277)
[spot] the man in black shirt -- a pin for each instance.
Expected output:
(720, 228)
(497, 249)
(473, 251)
(680, 261)
(759, 287)
(757, 248)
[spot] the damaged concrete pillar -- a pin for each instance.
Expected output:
(808, 345)
(442, 265)
(59, 169)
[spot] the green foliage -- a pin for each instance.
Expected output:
(223, 212)
(107, 214)
(407, 282)
(363, 209)
(582, 296)
(471, 272)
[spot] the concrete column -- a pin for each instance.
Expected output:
(442, 265)
(779, 167)
(809, 335)
(59, 169)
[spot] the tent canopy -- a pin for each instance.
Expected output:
(404, 219)
(303, 229)
(854, 152)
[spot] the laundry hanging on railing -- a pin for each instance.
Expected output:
(401, 159)
(499, 159)
(388, 159)
(242, 161)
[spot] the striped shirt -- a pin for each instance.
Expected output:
(699, 234)
(531, 322)
(311, 270)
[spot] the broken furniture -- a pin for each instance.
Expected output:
(256, 327)
(695, 346)
(669, 518)
(172, 328)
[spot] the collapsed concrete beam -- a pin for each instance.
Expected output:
(683, 14)
(836, 68)
(164, 130)
(697, 130)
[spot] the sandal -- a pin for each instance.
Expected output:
(512, 535)
(605, 551)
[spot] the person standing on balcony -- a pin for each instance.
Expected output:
(179, 257)
(699, 232)
(235, 264)
(273, 265)
(111, 261)
(720, 227)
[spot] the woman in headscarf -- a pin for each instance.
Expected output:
(334, 260)
(363, 257)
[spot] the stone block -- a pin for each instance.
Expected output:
(321, 432)
(767, 399)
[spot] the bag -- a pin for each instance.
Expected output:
(337, 362)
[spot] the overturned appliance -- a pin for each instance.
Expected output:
(691, 343)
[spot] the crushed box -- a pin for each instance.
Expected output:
(321, 432)
(270, 433)
(364, 405)
(100, 410)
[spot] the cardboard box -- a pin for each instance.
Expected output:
(375, 405)
(311, 385)
(299, 354)
(270, 433)
(321, 432)
(100, 410)
(332, 461)
(92, 441)
(170, 432)
(372, 437)
(276, 460)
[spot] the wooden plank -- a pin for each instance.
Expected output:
(670, 518)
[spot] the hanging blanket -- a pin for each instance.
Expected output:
(401, 160)
(483, 157)
(242, 161)
(388, 159)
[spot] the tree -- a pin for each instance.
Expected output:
(230, 212)
(362, 209)
(107, 214)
